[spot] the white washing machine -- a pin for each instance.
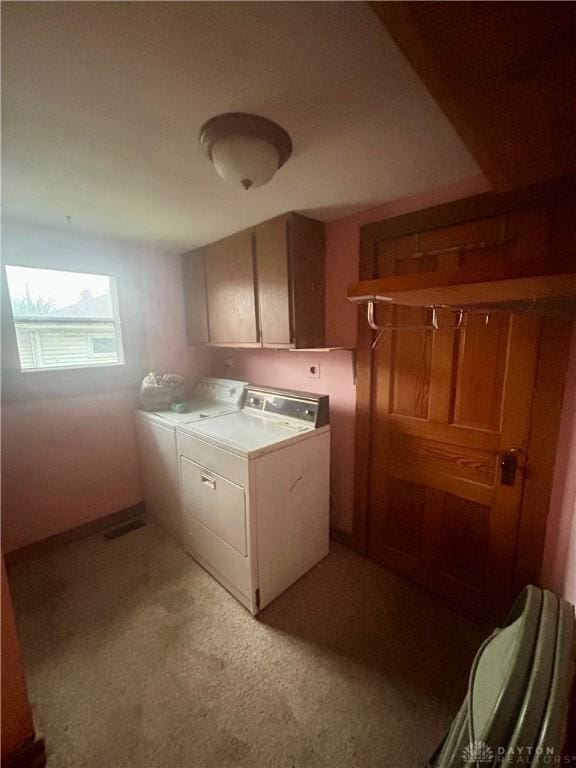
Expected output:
(157, 446)
(255, 488)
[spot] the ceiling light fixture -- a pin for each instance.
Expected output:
(246, 150)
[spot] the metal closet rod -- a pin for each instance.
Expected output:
(461, 311)
(433, 326)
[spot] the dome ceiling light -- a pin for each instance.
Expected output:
(246, 150)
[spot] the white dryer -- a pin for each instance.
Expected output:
(157, 446)
(255, 492)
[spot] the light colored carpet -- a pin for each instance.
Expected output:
(137, 658)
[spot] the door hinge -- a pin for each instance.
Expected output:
(257, 596)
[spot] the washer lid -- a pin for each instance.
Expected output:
(197, 411)
(211, 397)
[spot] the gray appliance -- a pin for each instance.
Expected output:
(517, 703)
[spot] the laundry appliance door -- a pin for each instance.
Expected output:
(215, 502)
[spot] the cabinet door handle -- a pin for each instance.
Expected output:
(208, 481)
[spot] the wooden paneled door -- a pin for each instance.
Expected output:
(446, 407)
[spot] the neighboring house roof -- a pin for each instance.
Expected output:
(88, 306)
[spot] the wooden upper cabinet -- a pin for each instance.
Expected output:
(231, 292)
(261, 287)
(308, 280)
(273, 266)
(505, 76)
(290, 252)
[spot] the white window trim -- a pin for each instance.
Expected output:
(114, 320)
(117, 321)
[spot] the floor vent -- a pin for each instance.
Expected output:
(122, 530)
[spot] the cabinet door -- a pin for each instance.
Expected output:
(307, 253)
(231, 292)
(274, 282)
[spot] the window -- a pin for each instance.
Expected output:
(102, 345)
(64, 319)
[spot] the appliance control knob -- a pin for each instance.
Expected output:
(309, 412)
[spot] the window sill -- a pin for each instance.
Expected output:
(88, 367)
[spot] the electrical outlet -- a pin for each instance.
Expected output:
(229, 362)
(314, 370)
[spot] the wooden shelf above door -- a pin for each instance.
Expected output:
(529, 281)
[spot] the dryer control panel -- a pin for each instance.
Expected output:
(304, 407)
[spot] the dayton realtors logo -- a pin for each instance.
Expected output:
(478, 752)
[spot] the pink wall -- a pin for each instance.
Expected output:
(66, 461)
(163, 319)
(17, 725)
(70, 460)
(559, 564)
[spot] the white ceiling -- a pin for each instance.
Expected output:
(103, 103)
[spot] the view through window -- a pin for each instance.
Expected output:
(64, 319)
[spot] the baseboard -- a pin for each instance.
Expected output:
(32, 755)
(342, 537)
(74, 534)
